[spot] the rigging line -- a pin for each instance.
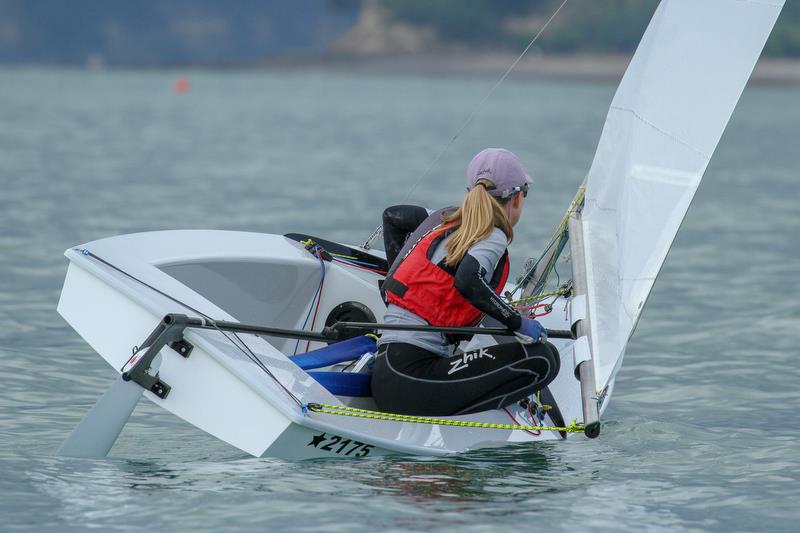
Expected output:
(248, 352)
(485, 98)
(472, 116)
(317, 295)
(319, 298)
(253, 357)
(84, 251)
(524, 279)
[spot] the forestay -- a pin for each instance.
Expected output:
(662, 128)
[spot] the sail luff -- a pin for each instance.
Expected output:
(663, 126)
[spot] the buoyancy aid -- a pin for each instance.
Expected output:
(427, 289)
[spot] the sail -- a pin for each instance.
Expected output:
(664, 123)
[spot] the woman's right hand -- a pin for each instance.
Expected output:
(531, 331)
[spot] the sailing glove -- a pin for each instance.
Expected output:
(531, 331)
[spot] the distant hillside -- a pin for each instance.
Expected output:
(164, 32)
(213, 32)
(596, 26)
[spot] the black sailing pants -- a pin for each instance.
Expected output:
(414, 381)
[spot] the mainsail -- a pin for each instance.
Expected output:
(662, 128)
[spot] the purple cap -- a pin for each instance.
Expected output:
(502, 168)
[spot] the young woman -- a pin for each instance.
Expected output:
(448, 268)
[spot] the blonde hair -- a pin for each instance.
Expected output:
(474, 220)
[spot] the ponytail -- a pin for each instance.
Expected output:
(479, 214)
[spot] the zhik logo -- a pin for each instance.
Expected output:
(463, 362)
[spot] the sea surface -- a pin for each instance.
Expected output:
(703, 431)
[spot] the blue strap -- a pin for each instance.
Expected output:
(345, 383)
(335, 353)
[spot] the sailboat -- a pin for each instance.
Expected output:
(259, 339)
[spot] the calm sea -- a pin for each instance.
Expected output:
(701, 435)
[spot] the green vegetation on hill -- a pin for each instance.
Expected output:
(785, 38)
(471, 21)
(607, 25)
(583, 25)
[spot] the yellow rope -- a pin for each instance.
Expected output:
(574, 205)
(542, 406)
(342, 410)
(342, 255)
(536, 298)
(562, 226)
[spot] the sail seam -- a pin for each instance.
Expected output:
(600, 207)
(660, 130)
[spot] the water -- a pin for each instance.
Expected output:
(702, 434)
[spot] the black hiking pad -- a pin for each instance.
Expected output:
(336, 248)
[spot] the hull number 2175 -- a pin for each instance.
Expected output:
(339, 445)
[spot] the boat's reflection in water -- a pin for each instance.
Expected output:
(405, 488)
(511, 473)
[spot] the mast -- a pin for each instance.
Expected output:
(585, 369)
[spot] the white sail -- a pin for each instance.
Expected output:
(662, 128)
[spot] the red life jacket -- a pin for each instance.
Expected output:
(427, 289)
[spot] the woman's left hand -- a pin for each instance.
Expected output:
(531, 331)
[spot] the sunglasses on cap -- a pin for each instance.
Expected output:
(514, 190)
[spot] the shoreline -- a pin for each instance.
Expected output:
(605, 68)
(595, 68)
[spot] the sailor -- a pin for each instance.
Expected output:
(448, 268)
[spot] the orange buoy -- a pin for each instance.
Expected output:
(181, 86)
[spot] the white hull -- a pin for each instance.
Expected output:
(219, 390)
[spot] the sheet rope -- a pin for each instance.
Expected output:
(342, 410)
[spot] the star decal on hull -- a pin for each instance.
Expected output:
(317, 440)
